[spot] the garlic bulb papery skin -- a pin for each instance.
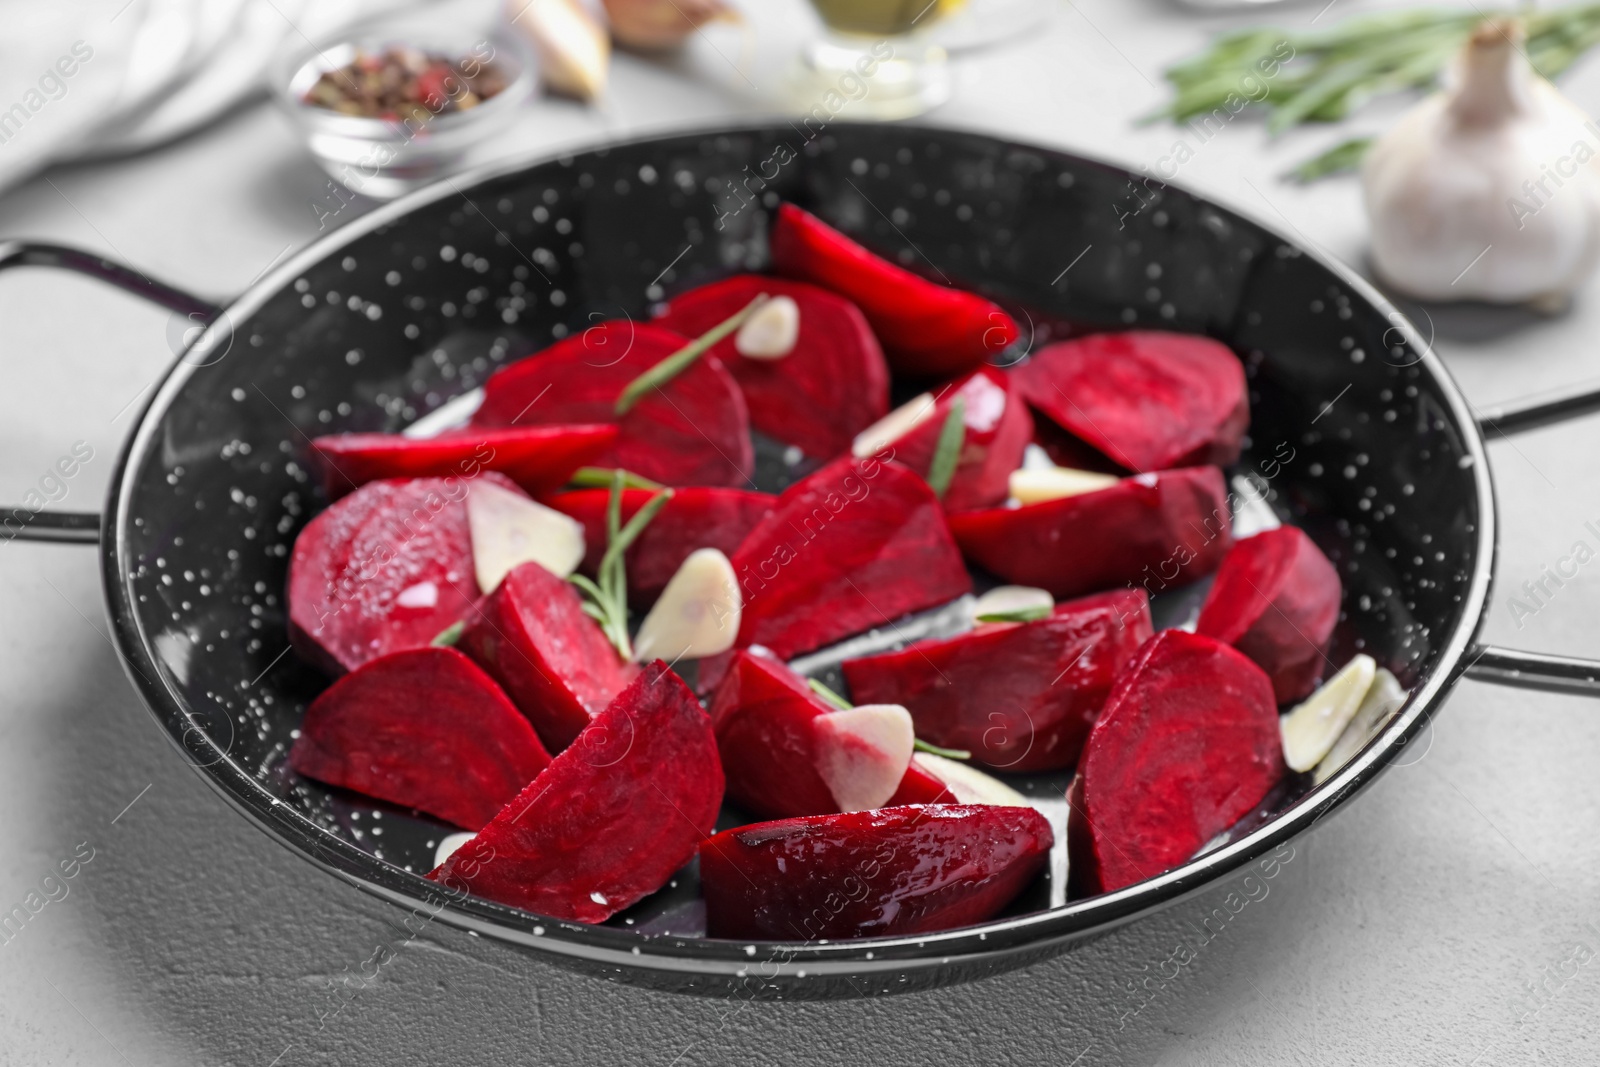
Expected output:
(1489, 190)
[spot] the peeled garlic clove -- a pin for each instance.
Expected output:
(893, 426)
(1490, 189)
(652, 25)
(572, 48)
(449, 844)
(968, 784)
(1013, 600)
(1035, 486)
(1310, 730)
(862, 753)
(771, 331)
(1383, 699)
(697, 614)
(508, 530)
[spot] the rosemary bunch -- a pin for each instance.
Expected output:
(606, 597)
(1303, 76)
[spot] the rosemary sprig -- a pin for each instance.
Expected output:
(947, 452)
(1033, 614)
(917, 744)
(607, 594)
(1325, 75)
(679, 361)
(600, 478)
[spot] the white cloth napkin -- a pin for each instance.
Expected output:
(104, 77)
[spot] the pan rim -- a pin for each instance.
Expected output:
(629, 951)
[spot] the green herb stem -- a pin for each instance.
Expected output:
(680, 361)
(829, 695)
(449, 635)
(607, 593)
(1033, 614)
(947, 452)
(919, 745)
(600, 478)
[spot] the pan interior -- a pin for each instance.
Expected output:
(1352, 434)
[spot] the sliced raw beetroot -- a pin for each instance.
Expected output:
(854, 545)
(383, 569)
(928, 330)
(833, 384)
(882, 873)
(920, 787)
(611, 819)
(786, 751)
(695, 430)
(1149, 400)
(695, 517)
(1186, 746)
(532, 636)
(1151, 530)
(423, 728)
(997, 429)
(1019, 696)
(1276, 599)
(538, 458)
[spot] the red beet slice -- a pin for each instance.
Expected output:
(611, 819)
(893, 871)
(1155, 530)
(383, 569)
(1276, 599)
(998, 428)
(920, 787)
(532, 636)
(1187, 745)
(538, 458)
(695, 430)
(855, 545)
(928, 330)
(1149, 400)
(423, 728)
(835, 382)
(1018, 696)
(762, 713)
(695, 517)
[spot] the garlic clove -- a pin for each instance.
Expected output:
(572, 48)
(1383, 700)
(968, 784)
(652, 25)
(1490, 189)
(449, 844)
(863, 752)
(1013, 600)
(697, 614)
(1310, 730)
(509, 529)
(1035, 486)
(893, 426)
(769, 333)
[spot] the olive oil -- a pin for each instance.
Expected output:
(887, 17)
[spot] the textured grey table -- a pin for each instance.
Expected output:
(1447, 917)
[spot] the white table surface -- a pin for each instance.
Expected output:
(1415, 927)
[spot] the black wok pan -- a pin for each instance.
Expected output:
(386, 319)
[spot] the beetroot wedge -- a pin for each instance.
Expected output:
(532, 636)
(695, 430)
(894, 871)
(386, 568)
(538, 458)
(1276, 599)
(996, 425)
(423, 728)
(818, 397)
(1019, 696)
(1155, 530)
(611, 819)
(786, 751)
(929, 331)
(695, 517)
(853, 546)
(1188, 744)
(1149, 400)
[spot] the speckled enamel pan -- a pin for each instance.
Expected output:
(1359, 436)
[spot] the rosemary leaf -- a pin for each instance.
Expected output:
(947, 452)
(449, 635)
(1341, 158)
(607, 593)
(600, 478)
(1032, 614)
(679, 361)
(829, 695)
(919, 745)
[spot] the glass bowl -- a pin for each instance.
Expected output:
(383, 158)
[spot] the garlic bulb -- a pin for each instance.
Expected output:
(652, 25)
(1489, 190)
(572, 48)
